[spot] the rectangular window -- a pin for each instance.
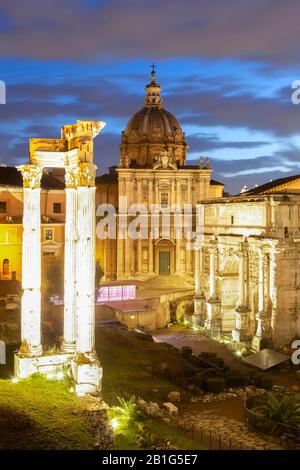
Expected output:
(3, 208)
(232, 220)
(57, 208)
(49, 234)
(164, 199)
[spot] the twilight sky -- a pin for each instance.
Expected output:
(225, 67)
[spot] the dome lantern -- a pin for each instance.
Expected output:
(153, 90)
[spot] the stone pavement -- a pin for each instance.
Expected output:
(228, 428)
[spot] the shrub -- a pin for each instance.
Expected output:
(281, 409)
(215, 384)
(199, 379)
(234, 379)
(263, 381)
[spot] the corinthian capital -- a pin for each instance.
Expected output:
(72, 176)
(87, 174)
(31, 175)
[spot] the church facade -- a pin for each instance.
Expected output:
(152, 171)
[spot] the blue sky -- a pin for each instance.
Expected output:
(225, 67)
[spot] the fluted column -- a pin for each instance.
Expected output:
(128, 255)
(213, 318)
(178, 256)
(139, 254)
(69, 342)
(239, 333)
(188, 258)
(85, 270)
(121, 230)
(261, 315)
(199, 299)
(31, 263)
(172, 192)
(150, 254)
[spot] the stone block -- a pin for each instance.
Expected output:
(87, 377)
(52, 363)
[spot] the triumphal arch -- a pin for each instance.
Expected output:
(73, 152)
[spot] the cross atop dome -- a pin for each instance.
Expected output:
(153, 67)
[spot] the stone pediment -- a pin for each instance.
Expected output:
(165, 161)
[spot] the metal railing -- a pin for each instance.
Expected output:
(286, 435)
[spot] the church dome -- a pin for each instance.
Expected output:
(151, 131)
(152, 121)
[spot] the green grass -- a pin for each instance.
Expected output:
(126, 359)
(37, 413)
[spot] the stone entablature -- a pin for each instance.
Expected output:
(254, 271)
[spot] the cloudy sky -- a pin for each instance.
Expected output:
(225, 66)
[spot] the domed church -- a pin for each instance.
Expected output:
(152, 130)
(152, 170)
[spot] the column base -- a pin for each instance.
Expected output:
(68, 347)
(87, 375)
(24, 366)
(213, 320)
(29, 351)
(199, 310)
(239, 335)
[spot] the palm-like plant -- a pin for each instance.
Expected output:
(280, 409)
(126, 411)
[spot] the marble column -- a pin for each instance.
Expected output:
(213, 319)
(172, 193)
(128, 255)
(188, 258)
(86, 368)
(140, 254)
(178, 256)
(121, 229)
(69, 341)
(85, 271)
(261, 315)
(132, 245)
(272, 283)
(31, 263)
(199, 299)
(242, 311)
(120, 257)
(150, 254)
(150, 239)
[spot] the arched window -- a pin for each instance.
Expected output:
(5, 267)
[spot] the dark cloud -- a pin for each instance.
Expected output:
(211, 109)
(266, 30)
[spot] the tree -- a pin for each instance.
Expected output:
(280, 409)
